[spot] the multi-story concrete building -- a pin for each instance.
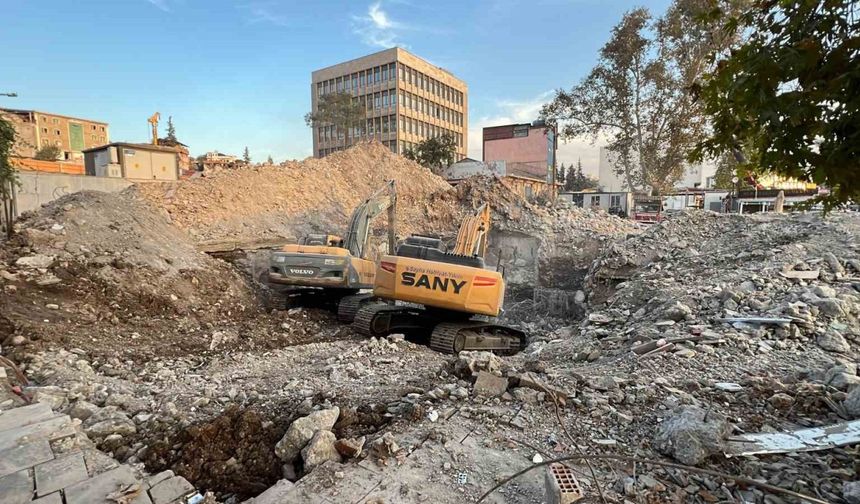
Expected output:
(528, 152)
(72, 135)
(406, 99)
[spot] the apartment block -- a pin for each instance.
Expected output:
(72, 135)
(406, 100)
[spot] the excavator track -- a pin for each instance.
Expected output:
(455, 337)
(348, 306)
(367, 320)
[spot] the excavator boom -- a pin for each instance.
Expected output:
(473, 234)
(363, 215)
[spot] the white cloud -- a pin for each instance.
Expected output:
(526, 111)
(161, 4)
(265, 12)
(377, 28)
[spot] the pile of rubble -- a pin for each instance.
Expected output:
(97, 260)
(297, 197)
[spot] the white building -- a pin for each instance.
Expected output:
(695, 176)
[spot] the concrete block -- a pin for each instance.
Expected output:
(276, 494)
(170, 490)
(96, 489)
(54, 498)
(51, 429)
(25, 456)
(158, 478)
(59, 473)
(16, 488)
(490, 385)
(25, 415)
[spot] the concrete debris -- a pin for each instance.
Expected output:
(812, 439)
(490, 385)
(350, 447)
(302, 430)
(320, 449)
(469, 364)
(852, 403)
(691, 435)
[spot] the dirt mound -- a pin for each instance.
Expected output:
(94, 257)
(300, 196)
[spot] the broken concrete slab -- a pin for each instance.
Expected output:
(691, 435)
(158, 478)
(170, 490)
(812, 439)
(25, 415)
(489, 385)
(96, 489)
(25, 456)
(276, 494)
(302, 430)
(52, 429)
(54, 498)
(16, 488)
(59, 473)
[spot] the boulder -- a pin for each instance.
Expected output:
(691, 435)
(833, 341)
(82, 410)
(851, 492)
(320, 449)
(490, 385)
(852, 403)
(36, 261)
(302, 430)
(468, 364)
(350, 447)
(677, 312)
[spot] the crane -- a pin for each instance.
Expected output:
(154, 122)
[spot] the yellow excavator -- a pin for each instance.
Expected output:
(330, 267)
(441, 293)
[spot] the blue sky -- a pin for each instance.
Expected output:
(237, 72)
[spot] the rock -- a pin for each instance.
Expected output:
(851, 492)
(320, 449)
(302, 430)
(52, 306)
(18, 340)
(691, 435)
(526, 395)
(82, 410)
(833, 341)
(221, 338)
(468, 364)
(677, 312)
(602, 383)
(490, 385)
(385, 446)
(599, 318)
(53, 395)
(830, 306)
(350, 447)
(824, 291)
(843, 381)
(833, 263)
(116, 424)
(530, 380)
(127, 402)
(852, 403)
(37, 261)
(781, 401)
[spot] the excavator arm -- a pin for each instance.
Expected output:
(473, 234)
(363, 215)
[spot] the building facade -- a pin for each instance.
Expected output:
(35, 130)
(406, 99)
(695, 176)
(133, 161)
(528, 187)
(528, 152)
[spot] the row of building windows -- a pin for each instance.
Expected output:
(385, 99)
(427, 83)
(389, 124)
(356, 82)
(55, 120)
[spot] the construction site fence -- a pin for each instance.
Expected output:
(28, 164)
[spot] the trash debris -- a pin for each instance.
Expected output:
(812, 439)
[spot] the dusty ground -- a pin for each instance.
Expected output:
(117, 318)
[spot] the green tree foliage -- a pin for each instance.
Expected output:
(270, 161)
(576, 180)
(788, 94)
(435, 153)
(8, 174)
(341, 110)
(560, 173)
(48, 153)
(637, 96)
(246, 156)
(171, 130)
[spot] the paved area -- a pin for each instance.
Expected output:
(45, 459)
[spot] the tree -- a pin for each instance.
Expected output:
(637, 95)
(246, 156)
(560, 174)
(787, 95)
(49, 153)
(171, 131)
(341, 110)
(270, 161)
(577, 180)
(8, 174)
(436, 153)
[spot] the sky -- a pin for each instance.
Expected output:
(236, 73)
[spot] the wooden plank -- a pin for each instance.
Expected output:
(220, 246)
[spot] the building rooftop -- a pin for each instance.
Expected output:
(27, 111)
(141, 146)
(393, 51)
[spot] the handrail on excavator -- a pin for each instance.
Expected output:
(473, 233)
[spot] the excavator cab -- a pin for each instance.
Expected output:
(330, 266)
